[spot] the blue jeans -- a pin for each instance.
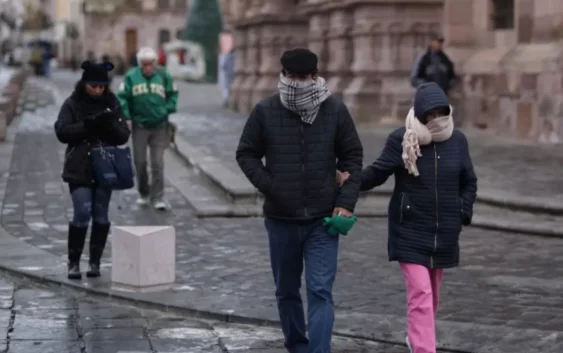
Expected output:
(290, 244)
(90, 203)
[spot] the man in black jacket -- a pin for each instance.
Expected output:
(434, 66)
(305, 135)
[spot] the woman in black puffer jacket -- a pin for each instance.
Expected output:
(435, 188)
(91, 117)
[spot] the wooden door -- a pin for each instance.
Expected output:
(131, 43)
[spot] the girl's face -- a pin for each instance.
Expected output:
(95, 89)
(436, 113)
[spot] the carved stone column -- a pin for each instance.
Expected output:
(278, 28)
(253, 7)
(266, 84)
(318, 44)
(363, 95)
(252, 64)
(240, 67)
(238, 12)
(340, 51)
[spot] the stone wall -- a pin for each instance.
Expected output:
(516, 91)
(103, 36)
(510, 80)
(365, 48)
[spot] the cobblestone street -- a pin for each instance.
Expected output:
(504, 298)
(40, 319)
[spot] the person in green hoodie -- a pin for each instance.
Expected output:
(148, 96)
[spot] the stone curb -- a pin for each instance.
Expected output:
(219, 176)
(240, 190)
(47, 277)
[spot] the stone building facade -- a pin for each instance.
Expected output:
(120, 28)
(508, 55)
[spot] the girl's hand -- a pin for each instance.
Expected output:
(341, 177)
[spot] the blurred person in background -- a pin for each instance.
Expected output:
(107, 58)
(90, 117)
(162, 57)
(226, 73)
(434, 66)
(148, 96)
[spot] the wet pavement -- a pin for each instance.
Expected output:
(41, 319)
(504, 298)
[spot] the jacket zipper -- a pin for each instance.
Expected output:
(436, 193)
(67, 156)
(402, 199)
(304, 197)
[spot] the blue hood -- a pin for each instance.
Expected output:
(429, 96)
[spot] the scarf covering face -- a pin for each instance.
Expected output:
(417, 134)
(303, 97)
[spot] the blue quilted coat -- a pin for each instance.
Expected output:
(426, 212)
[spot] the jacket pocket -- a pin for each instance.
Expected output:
(68, 155)
(405, 208)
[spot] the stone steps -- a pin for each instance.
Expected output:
(216, 191)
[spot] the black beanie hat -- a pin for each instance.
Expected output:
(299, 61)
(96, 73)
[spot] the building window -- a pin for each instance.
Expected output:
(163, 4)
(179, 33)
(163, 36)
(503, 14)
(181, 4)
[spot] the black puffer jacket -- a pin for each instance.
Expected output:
(71, 129)
(298, 179)
(426, 212)
(437, 67)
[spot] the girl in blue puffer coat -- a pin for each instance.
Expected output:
(435, 188)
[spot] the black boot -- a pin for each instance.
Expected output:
(76, 239)
(98, 239)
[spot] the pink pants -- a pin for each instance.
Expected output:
(423, 294)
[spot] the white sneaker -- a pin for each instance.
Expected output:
(408, 343)
(160, 205)
(142, 201)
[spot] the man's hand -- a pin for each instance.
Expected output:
(341, 177)
(339, 211)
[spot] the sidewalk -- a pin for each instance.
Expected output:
(47, 319)
(509, 169)
(504, 298)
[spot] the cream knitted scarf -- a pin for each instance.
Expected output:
(417, 134)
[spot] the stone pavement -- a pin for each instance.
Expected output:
(514, 168)
(517, 169)
(41, 319)
(504, 298)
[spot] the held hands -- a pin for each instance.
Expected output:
(339, 211)
(341, 177)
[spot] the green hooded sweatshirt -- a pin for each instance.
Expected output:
(148, 100)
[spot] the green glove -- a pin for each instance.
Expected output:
(339, 225)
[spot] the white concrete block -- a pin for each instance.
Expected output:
(143, 256)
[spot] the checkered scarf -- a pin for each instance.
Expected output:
(303, 97)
